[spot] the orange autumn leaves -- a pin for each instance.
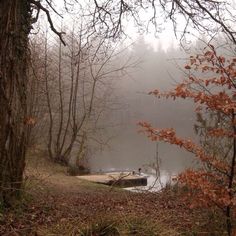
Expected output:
(169, 136)
(218, 71)
(205, 189)
(213, 88)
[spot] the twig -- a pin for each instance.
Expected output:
(46, 11)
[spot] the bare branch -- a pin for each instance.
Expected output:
(46, 11)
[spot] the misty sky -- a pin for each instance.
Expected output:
(130, 149)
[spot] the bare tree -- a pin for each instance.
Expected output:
(78, 87)
(16, 20)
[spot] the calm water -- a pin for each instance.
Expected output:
(130, 150)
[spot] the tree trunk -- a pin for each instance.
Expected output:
(14, 31)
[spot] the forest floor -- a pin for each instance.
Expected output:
(55, 203)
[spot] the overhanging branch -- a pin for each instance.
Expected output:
(46, 11)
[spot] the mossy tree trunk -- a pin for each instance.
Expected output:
(14, 31)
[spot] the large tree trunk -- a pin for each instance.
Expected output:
(14, 31)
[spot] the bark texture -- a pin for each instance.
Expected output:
(14, 31)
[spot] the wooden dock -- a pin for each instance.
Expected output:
(118, 179)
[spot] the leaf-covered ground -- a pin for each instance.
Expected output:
(54, 203)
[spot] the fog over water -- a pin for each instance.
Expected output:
(129, 149)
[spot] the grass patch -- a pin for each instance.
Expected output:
(141, 227)
(117, 226)
(100, 227)
(56, 204)
(105, 227)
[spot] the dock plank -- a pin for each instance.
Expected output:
(121, 179)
